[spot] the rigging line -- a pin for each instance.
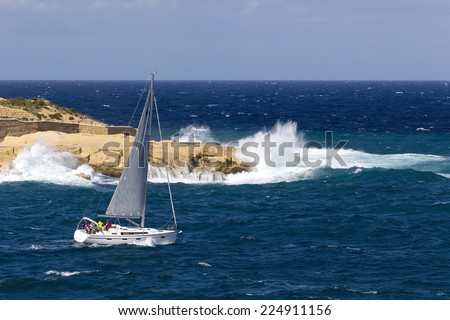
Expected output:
(137, 104)
(91, 201)
(167, 224)
(99, 202)
(167, 165)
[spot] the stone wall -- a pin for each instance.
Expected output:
(17, 128)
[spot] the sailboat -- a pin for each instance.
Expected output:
(129, 199)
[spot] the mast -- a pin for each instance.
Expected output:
(150, 98)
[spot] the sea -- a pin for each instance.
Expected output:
(348, 196)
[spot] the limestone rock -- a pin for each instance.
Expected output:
(107, 153)
(84, 176)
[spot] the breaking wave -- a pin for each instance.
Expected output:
(278, 154)
(193, 134)
(41, 163)
(281, 154)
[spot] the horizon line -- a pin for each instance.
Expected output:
(245, 80)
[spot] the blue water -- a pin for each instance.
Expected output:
(377, 228)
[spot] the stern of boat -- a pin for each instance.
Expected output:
(80, 236)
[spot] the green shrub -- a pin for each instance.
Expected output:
(56, 116)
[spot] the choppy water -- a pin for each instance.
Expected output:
(376, 228)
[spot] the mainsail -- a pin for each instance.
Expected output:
(129, 197)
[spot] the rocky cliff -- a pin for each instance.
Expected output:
(107, 153)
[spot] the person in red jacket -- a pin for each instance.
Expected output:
(108, 225)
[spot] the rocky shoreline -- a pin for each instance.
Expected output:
(107, 154)
(105, 148)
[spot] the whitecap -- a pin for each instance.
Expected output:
(370, 292)
(34, 228)
(441, 202)
(62, 273)
(204, 264)
(249, 238)
(360, 291)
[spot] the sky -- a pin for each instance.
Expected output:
(225, 39)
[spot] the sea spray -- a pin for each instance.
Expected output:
(282, 154)
(193, 134)
(41, 163)
(272, 161)
(284, 162)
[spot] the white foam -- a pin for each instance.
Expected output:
(285, 160)
(62, 273)
(67, 273)
(147, 242)
(273, 164)
(204, 264)
(41, 163)
(158, 175)
(193, 134)
(276, 164)
(419, 162)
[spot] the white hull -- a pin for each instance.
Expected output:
(127, 235)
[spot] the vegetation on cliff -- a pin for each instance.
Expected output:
(35, 109)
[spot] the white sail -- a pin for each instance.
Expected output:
(129, 197)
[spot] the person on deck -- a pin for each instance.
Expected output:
(108, 225)
(100, 225)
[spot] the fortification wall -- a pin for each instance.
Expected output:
(17, 128)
